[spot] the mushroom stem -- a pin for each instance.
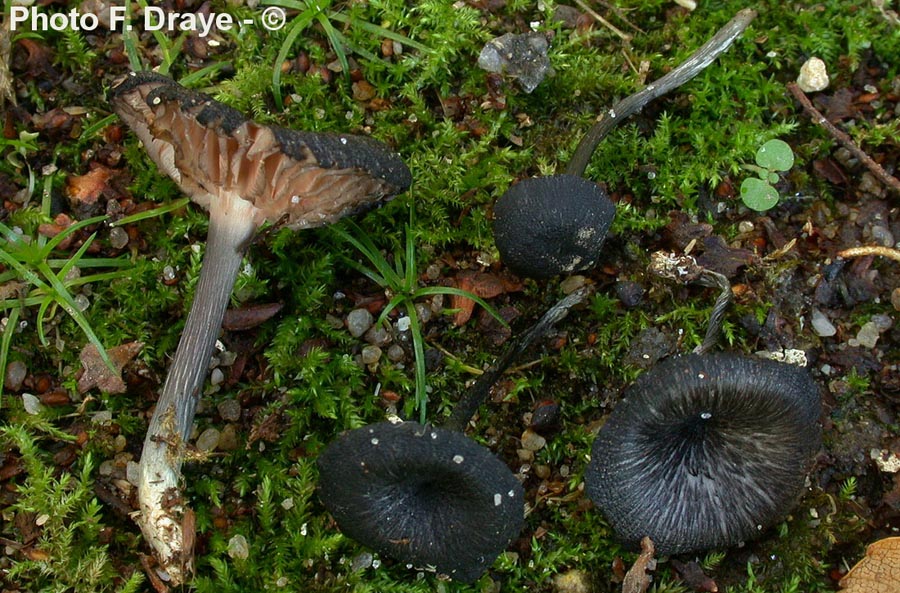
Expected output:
(231, 227)
(685, 71)
(472, 400)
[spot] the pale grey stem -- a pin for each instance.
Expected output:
(685, 71)
(231, 227)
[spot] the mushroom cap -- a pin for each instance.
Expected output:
(423, 495)
(545, 226)
(705, 451)
(213, 151)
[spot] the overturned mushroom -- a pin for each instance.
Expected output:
(430, 496)
(705, 451)
(545, 226)
(245, 174)
(427, 496)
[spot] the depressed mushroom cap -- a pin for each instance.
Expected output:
(705, 451)
(546, 226)
(425, 496)
(214, 151)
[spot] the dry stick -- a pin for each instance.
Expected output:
(887, 252)
(842, 137)
(473, 398)
(596, 16)
(685, 71)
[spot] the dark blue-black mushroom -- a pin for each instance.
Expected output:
(426, 496)
(429, 496)
(705, 451)
(546, 226)
(245, 174)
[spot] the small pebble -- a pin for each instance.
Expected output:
(403, 324)
(208, 440)
(359, 321)
(217, 377)
(868, 335)
(525, 455)
(370, 354)
(822, 325)
(119, 443)
(106, 467)
(228, 440)
(15, 375)
(882, 322)
(542, 471)
(133, 473)
(118, 237)
(813, 76)
(895, 298)
(745, 226)
(882, 235)
(532, 440)
(238, 548)
(32, 403)
(229, 410)
(630, 293)
(545, 415)
(424, 313)
(572, 283)
(377, 336)
(396, 353)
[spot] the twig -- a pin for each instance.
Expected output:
(865, 250)
(842, 137)
(596, 16)
(692, 66)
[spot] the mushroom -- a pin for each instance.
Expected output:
(705, 451)
(424, 495)
(430, 496)
(245, 174)
(555, 225)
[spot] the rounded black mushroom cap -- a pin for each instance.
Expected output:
(215, 153)
(705, 451)
(423, 495)
(546, 226)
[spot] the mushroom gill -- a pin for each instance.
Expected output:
(705, 451)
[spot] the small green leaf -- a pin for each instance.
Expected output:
(775, 155)
(758, 195)
(773, 177)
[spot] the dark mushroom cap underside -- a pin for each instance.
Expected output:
(546, 226)
(705, 451)
(211, 149)
(423, 495)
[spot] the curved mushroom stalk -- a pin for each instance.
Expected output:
(245, 174)
(159, 499)
(555, 225)
(431, 496)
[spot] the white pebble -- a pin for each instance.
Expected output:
(32, 403)
(822, 325)
(813, 76)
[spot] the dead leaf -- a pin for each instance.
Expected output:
(878, 572)
(636, 579)
(693, 576)
(481, 284)
(249, 317)
(87, 188)
(719, 257)
(97, 374)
